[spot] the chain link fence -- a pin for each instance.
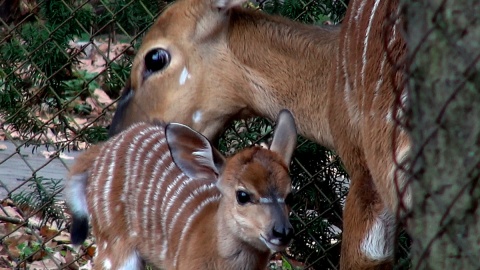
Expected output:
(442, 82)
(62, 67)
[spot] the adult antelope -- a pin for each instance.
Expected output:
(207, 62)
(164, 195)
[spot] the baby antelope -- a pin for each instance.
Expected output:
(163, 195)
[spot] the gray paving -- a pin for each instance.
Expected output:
(16, 168)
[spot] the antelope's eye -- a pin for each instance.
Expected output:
(157, 59)
(242, 197)
(289, 199)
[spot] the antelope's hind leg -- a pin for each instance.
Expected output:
(116, 256)
(368, 229)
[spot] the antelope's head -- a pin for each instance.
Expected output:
(256, 187)
(182, 65)
(254, 183)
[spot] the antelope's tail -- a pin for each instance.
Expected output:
(75, 193)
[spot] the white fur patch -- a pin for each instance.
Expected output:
(197, 116)
(76, 194)
(133, 262)
(270, 200)
(378, 243)
(107, 264)
(184, 76)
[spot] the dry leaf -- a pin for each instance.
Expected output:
(14, 251)
(102, 97)
(95, 106)
(9, 211)
(69, 256)
(64, 238)
(45, 264)
(47, 232)
(59, 258)
(51, 244)
(7, 202)
(79, 121)
(91, 250)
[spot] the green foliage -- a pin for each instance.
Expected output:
(129, 17)
(37, 61)
(81, 80)
(28, 249)
(313, 12)
(41, 196)
(117, 74)
(95, 134)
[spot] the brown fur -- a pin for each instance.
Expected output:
(196, 221)
(341, 91)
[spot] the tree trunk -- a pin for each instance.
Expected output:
(443, 40)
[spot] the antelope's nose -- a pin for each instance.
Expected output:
(284, 233)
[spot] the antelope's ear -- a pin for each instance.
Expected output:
(213, 16)
(285, 136)
(193, 153)
(122, 105)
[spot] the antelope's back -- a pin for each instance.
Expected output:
(136, 190)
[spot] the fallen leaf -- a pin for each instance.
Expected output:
(45, 264)
(79, 121)
(64, 238)
(91, 250)
(57, 256)
(11, 212)
(102, 97)
(94, 104)
(14, 250)
(47, 232)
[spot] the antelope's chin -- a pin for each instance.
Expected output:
(273, 244)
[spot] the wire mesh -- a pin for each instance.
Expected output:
(442, 168)
(63, 65)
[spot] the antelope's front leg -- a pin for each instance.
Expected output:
(368, 228)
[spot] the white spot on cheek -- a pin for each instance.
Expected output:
(107, 264)
(184, 76)
(197, 116)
